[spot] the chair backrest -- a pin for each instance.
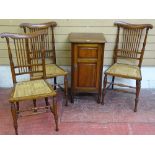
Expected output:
(131, 41)
(26, 53)
(50, 41)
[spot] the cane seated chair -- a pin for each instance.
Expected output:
(23, 56)
(128, 56)
(52, 69)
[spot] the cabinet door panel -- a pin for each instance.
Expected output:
(87, 60)
(86, 75)
(87, 52)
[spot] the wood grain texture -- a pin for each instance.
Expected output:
(87, 63)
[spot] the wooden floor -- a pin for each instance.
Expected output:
(85, 116)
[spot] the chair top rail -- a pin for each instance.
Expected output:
(133, 26)
(39, 25)
(22, 36)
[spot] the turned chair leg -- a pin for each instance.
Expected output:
(113, 79)
(17, 104)
(34, 103)
(138, 86)
(55, 113)
(99, 96)
(66, 90)
(14, 116)
(46, 101)
(55, 83)
(104, 88)
(72, 95)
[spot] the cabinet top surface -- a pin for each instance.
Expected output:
(87, 38)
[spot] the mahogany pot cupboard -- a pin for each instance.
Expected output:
(86, 63)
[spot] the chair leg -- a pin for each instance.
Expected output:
(104, 88)
(34, 103)
(17, 104)
(138, 86)
(55, 83)
(55, 113)
(113, 79)
(66, 89)
(99, 98)
(14, 116)
(72, 95)
(46, 101)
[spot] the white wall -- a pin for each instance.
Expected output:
(148, 74)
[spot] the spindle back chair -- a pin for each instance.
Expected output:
(49, 40)
(25, 59)
(52, 69)
(128, 56)
(23, 54)
(131, 41)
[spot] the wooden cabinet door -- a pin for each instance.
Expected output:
(87, 64)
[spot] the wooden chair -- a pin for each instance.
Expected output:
(128, 56)
(52, 69)
(24, 60)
